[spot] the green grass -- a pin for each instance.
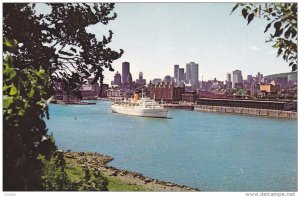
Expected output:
(75, 171)
(115, 184)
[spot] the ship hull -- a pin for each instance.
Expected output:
(143, 112)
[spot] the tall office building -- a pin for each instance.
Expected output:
(117, 79)
(192, 72)
(141, 76)
(237, 78)
(125, 72)
(228, 77)
(228, 81)
(181, 74)
(141, 80)
(176, 73)
(188, 72)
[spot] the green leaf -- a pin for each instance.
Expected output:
(294, 33)
(234, 8)
(287, 34)
(279, 52)
(21, 112)
(294, 67)
(278, 32)
(250, 18)
(31, 93)
(9, 74)
(6, 102)
(244, 13)
(7, 43)
(13, 90)
(277, 25)
(276, 45)
(15, 42)
(267, 27)
(5, 87)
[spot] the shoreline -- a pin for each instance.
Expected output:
(100, 162)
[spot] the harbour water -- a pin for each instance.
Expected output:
(210, 151)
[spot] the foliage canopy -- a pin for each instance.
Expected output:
(39, 51)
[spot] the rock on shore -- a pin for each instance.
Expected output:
(100, 161)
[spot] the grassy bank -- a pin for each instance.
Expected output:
(118, 179)
(75, 171)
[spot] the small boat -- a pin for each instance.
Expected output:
(144, 107)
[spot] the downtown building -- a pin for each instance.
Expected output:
(117, 80)
(181, 77)
(192, 73)
(191, 76)
(166, 92)
(176, 74)
(228, 81)
(237, 79)
(126, 75)
(141, 80)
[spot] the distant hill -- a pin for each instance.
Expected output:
(281, 75)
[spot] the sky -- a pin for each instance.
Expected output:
(156, 36)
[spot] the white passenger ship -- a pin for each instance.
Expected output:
(144, 107)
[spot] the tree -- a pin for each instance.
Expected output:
(40, 50)
(25, 94)
(281, 16)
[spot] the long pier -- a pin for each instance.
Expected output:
(179, 106)
(249, 111)
(235, 110)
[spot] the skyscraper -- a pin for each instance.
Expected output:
(228, 81)
(125, 72)
(192, 72)
(141, 76)
(228, 77)
(141, 80)
(237, 78)
(181, 74)
(176, 73)
(117, 79)
(188, 72)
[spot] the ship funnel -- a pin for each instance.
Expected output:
(136, 97)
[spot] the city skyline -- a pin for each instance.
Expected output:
(234, 76)
(166, 34)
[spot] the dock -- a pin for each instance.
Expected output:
(179, 106)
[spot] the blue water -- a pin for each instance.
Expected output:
(210, 151)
